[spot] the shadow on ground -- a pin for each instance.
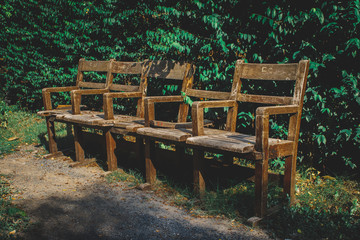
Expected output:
(105, 214)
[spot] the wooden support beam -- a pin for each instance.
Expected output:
(110, 150)
(50, 125)
(78, 141)
(150, 170)
(198, 172)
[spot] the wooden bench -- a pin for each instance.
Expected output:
(72, 114)
(107, 121)
(181, 73)
(155, 130)
(259, 147)
(53, 115)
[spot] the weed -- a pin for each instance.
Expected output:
(19, 127)
(12, 219)
(132, 176)
(327, 207)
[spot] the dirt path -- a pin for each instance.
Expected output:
(78, 203)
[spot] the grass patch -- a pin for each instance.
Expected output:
(131, 176)
(326, 208)
(12, 219)
(21, 127)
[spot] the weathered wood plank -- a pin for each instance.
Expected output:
(237, 143)
(264, 99)
(98, 66)
(127, 67)
(167, 69)
(126, 88)
(269, 71)
(91, 85)
(176, 125)
(207, 94)
(178, 135)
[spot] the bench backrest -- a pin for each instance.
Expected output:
(296, 72)
(94, 66)
(167, 69)
(134, 68)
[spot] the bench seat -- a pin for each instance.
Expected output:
(237, 143)
(177, 135)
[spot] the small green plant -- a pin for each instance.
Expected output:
(134, 177)
(12, 219)
(22, 127)
(327, 207)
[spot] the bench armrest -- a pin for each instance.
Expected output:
(197, 113)
(108, 104)
(76, 97)
(46, 94)
(150, 106)
(262, 123)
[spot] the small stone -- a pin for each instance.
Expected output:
(144, 186)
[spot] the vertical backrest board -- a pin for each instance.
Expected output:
(218, 94)
(133, 68)
(94, 66)
(166, 69)
(273, 72)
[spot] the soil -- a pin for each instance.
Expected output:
(78, 203)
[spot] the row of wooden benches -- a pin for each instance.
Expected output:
(196, 134)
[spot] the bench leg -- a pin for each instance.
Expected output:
(198, 172)
(180, 157)
(50, 125)
(79, 150)
(139, 148)
(110, 150)
(290, 177)
(261, 187)
(150, 171)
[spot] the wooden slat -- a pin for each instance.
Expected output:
(178, 135)
(97, 66)
(176, 125)
(47, 113)
(127, 67)
(167, 69)
(207, 94)
(92, 85)
(264, 99)
(126, 88)
(269, 71)
(238, 143)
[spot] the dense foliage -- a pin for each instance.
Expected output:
(41, 42)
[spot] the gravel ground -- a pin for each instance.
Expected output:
(78, 203)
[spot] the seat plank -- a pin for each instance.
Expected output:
(234, 142)
(177, 135)
(176, 125)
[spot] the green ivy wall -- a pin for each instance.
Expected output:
(42, 41)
